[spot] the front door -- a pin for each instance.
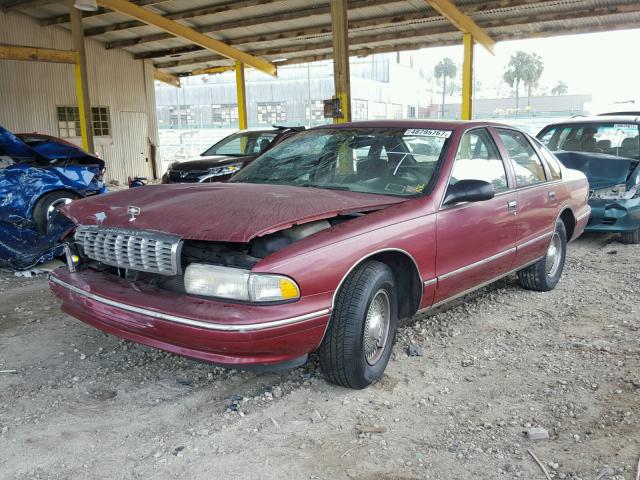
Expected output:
(475, 240)
(134, 156)
(537, 200)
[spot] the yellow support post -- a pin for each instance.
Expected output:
(182, 31)
(82, 82)
(242, 96)
(463, 22)
(467, 77)
(341, 74)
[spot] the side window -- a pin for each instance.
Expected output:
(232, 147)
(262, 143)
(526, 163)
(551, 161)
(478, 159)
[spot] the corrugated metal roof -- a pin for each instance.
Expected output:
(291, 31)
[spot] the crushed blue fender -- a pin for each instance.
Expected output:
(31, 166)
(23, 248)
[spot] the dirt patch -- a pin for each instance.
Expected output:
(83, 404)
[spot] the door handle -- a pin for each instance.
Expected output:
(552, 195)
(513, 207)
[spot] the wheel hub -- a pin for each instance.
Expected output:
(554, 254)
(376, 329)
(57, 204)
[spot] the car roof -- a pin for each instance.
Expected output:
(427, 123)
(599, 119)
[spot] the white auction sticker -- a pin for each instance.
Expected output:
(625, 126)
(427, 132)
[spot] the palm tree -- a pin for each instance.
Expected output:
(443, 70)
(560, 89)
(532, 74)
(523, 68)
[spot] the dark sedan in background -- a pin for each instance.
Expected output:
(607, 150)
(228, 156)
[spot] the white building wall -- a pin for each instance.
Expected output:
(31, 91)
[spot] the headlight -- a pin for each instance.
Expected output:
(225, 170)
(237, 284)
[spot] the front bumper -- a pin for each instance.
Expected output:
(222, 333)
(614, 216)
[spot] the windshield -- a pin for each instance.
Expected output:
(242, 144)
(615, 139)
(386, 161)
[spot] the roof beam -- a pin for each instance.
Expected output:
(166, 77)
(20, 4)
(209, 71)
(463, 22)
(252, 21)
(420, 35)
(184, 15)
(33, 54)
(325, 28)
(65, 18)
(182, 31)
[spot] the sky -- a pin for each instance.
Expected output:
(605, 65)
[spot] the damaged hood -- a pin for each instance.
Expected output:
(221, 212)
(601, 170)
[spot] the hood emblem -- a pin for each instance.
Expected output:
(184, 174)
(133, 213)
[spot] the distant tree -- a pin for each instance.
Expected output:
(443, 70)
(523, 68)
(532, 74)
(560, 89)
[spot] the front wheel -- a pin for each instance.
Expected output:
(545, 274)
(47, 205)
(358, 342)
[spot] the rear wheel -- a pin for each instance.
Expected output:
(47, 205)
(631, 237)
(545, 274)
(358, 342)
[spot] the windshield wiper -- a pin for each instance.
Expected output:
(325, 187)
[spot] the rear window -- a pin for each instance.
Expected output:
(616, 139)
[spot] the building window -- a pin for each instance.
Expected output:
(359, 109)
(101, 121)
(224, 115)
(395, 109)
(272, 113)
(315, 112)
(69, 121)
(411, 111)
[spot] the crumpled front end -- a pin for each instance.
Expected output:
(617, 216)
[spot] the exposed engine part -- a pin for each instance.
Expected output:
(229, 255)
(264, 246)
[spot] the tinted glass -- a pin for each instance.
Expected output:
(478, 159)
(388, 161)
(244, 143)
(616, 139)
(526, 163)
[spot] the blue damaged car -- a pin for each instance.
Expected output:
(606, 149)
(39, 173)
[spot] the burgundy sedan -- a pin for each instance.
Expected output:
(323, 243)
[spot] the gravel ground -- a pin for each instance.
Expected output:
(82, 404)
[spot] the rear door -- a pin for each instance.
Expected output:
(475, 240)
(537, 198)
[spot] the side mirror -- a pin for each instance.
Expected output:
(468, 191)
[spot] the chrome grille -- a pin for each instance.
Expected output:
(142, 250)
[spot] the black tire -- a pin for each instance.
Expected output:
(631, 237)
(47, 201)
(342, 352)
(538, 276)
